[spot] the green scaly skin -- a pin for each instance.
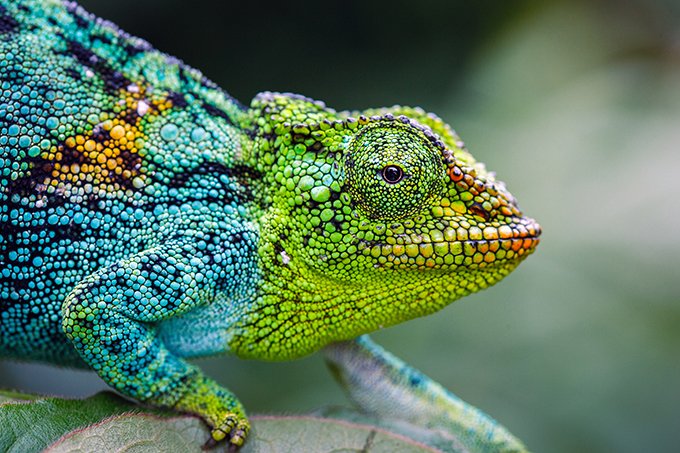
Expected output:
(148, 217)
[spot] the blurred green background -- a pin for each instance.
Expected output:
(576, 106)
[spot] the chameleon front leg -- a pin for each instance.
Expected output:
(111, 318)
(385, 386)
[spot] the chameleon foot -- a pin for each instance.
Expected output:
(232, 429)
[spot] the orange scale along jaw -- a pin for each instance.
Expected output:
(456, 246)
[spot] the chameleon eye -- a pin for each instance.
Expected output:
(392, 174)
(392, 171)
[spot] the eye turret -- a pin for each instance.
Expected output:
(392, 171)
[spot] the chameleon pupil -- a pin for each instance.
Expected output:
(392, 174)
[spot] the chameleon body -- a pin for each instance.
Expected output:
(147, 217)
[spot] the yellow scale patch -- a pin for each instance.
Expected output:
(112, 160)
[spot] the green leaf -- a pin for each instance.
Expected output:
(310, 433)
(31, 424)
(106, 422)
(8, 395)
(137, 433)
(143, 432)
(439, 439)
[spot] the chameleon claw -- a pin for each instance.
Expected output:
(238, 434)
(209, 444)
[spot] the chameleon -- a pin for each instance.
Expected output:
(147, 218)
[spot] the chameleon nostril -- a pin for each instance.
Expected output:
(477, 210)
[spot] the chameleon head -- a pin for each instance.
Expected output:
(428, 204)
(383, 213)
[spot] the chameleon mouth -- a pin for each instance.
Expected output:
(458, 245)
